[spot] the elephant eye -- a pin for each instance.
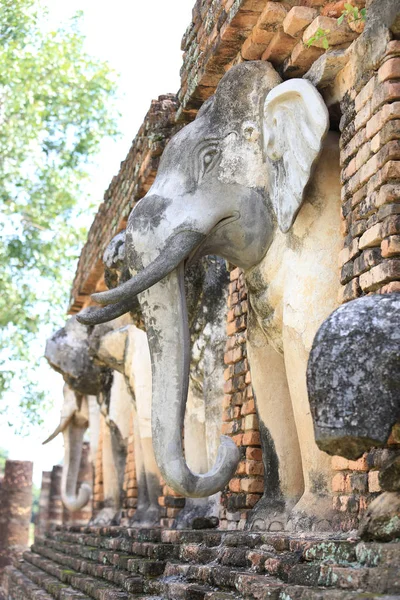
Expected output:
(209, 159)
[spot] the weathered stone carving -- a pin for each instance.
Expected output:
(232, 183)
(101, 393)
(67, 353)
(73, 425)
(354, 376)
(206, 287)
(124, 347)
(353, 379)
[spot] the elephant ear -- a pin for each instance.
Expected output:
(295, 122)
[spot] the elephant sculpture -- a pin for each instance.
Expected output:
(122, 345)
(91, 390)
(76, 413)
(242, 182)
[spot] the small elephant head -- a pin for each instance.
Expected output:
(225, 183)
(67, 351)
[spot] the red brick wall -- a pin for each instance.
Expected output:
(370, 155)
(239, 417)
(133, 181)
(224, 33)
(370, 259)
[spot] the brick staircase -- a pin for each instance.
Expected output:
(115, 563)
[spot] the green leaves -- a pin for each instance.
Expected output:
(320, 34)
(56, 104)
(352, 14)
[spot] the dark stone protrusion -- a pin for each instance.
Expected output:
(382, 521)
(353, 376)
(205, 523)
(389, 477)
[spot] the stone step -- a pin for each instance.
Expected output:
(182, 590)
(157, 551)
(122, 578)
(98, 588)
(342, 553)
(168, 587)
(377, 581)
(51, 584)
(28, 577)
(142, 566)
(19, 586)
(142, 542)
(207, 563)
(213, 575)
(285, 565)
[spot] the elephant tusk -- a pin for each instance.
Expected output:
(55, 433)
(176, 249)
(95, 316)
(61, 427)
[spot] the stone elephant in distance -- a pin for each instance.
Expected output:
(76, 413)
(124, 347)
(253, 179)
(94, 386)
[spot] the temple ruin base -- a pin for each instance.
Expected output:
(111, 563)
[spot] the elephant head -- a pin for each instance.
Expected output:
(225, 183)
(67, 351)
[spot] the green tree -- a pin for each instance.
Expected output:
(56, 104)
(3, 458)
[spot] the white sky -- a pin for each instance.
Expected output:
(141, 41)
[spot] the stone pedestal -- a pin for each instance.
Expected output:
(15, 509)
(44, 499)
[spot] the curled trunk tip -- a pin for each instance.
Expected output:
(194, 485)
(74, 503)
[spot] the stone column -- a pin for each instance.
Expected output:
(15, 509)
(55, 503)
(44, 499)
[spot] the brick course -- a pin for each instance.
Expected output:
(239, 417)
(370, 160)
(133, 181)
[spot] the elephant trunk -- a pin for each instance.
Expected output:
(120, 300)
(73, 441)
(164, 310)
